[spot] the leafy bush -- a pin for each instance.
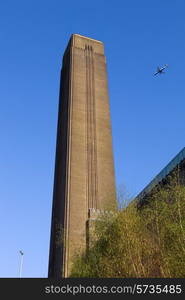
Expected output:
(149, 242)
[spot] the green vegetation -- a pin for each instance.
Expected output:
(149, 242)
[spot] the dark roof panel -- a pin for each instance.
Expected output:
(172, 164)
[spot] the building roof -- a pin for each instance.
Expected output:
(170, 167)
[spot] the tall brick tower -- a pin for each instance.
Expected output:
(84, 172)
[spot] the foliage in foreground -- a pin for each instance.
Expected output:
(145, 243)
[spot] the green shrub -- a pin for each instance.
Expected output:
(149, 242)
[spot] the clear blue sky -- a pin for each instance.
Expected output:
(148, 112)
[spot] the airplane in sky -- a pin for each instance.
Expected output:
(160, 70)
